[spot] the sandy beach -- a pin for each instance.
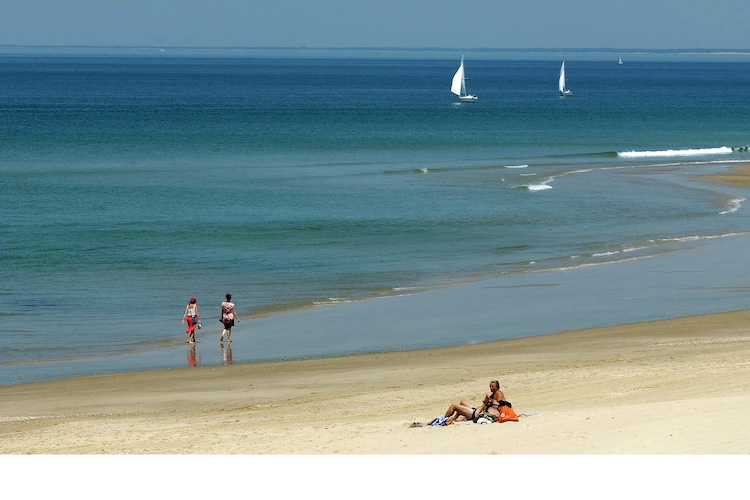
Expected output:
(679, 386)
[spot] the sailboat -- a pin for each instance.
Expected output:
(620, 61)
(563, 90)
(458, 86)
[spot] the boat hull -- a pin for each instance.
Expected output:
(467, 98)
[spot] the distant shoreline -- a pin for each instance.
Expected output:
(375, 52)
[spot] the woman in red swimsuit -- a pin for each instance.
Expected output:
(193, 319)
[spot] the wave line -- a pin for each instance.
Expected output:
(676, 152)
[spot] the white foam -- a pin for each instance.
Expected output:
(700, 238)
(675, 152)
(606, 254)
(733, 206)
(538, 187)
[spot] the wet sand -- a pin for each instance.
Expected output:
(739, 176)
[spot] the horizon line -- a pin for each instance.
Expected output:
(697, 50)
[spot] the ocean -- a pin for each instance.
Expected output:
(353, 205)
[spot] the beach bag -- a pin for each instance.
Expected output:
(507, 414)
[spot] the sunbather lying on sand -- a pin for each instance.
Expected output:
(490, 408)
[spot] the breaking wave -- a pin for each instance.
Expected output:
(675, 152)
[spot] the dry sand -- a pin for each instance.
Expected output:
(679, 386)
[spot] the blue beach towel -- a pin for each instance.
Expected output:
(439, 421)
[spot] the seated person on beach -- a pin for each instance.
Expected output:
(490, 408)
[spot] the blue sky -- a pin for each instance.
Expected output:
(622, 24)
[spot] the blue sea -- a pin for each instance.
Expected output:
(352, 205)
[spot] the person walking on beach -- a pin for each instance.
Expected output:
(193, 319)
(228, 315)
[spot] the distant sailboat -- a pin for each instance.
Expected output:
(458, 86)
(620, 61)
(563, 90)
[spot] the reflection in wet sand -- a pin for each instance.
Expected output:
(192, 361)
(226, 354)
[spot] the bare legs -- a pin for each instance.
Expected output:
(462, 409)
(226, 331)
(192, 324)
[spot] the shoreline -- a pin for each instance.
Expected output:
(698, 276)
(469, 315)
(675, 386)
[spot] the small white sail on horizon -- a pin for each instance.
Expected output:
(458, 85)
(561, 84)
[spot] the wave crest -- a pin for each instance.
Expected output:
(675, 152)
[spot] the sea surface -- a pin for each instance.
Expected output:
(353, 205)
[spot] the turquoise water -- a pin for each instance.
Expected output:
(130, 184)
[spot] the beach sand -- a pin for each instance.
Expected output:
(677, 386)
(739, 176)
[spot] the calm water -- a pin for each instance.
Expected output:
(130, 184)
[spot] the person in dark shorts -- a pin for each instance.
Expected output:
(228, 315)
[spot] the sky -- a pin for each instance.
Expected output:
(515, 24)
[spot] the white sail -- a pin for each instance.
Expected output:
(561, 84)
(458, 86)
(562, 78)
